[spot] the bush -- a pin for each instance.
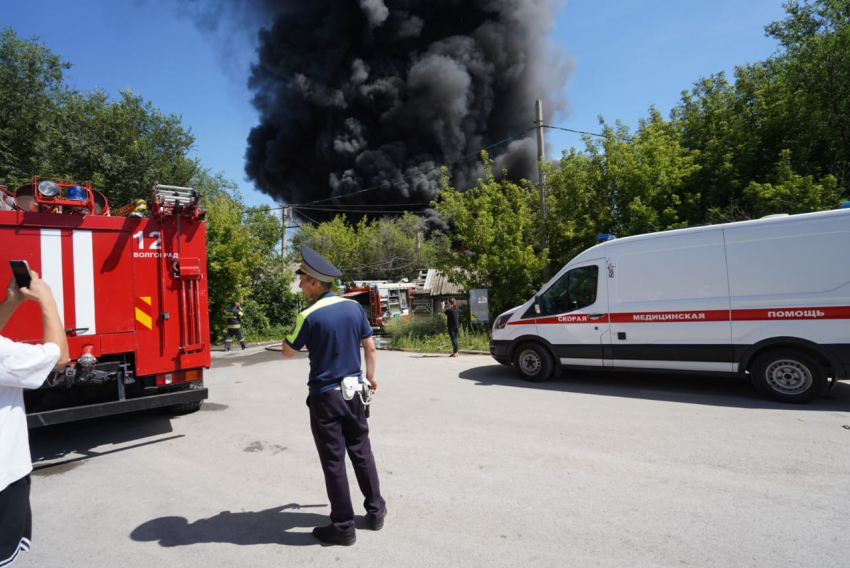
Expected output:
(416, 327)
(429, 335)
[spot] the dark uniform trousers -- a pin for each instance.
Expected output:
(339, 425)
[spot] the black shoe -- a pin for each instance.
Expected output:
(376, 524)
(329, 535)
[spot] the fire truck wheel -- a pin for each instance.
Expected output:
(789, 376)
(187, 407)
(533, 362)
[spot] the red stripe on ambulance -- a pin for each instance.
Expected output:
(835, 312)
(666, 317)
(769, 314)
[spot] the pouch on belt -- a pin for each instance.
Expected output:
(350, 386)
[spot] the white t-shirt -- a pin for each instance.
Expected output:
(22, 366)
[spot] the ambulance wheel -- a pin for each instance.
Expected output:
(533, 362)
(789, 376)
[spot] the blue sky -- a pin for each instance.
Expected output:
(627, 56)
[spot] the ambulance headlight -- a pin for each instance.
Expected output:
(48, 188)
(502, 321)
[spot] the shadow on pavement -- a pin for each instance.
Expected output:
(251, 357)
(55, 442)
(735, 392)
(257, 527)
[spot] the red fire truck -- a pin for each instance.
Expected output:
(382, 301)
(132, 293)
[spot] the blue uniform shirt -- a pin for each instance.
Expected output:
(331, 329)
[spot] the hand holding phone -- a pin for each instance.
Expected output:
(21, 271)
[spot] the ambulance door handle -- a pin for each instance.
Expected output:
(595, 316)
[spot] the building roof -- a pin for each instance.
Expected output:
(438, 283)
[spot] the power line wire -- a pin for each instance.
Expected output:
(353, 211)
(574, 131)
(370, 205)
(309, 219)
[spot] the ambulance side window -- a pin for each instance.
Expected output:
(574, 290)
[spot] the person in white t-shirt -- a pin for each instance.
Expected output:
(22, 366)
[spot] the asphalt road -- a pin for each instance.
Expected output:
(478, 469)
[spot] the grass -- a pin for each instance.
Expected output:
(429, 335)
(423, 335)
(274, 333)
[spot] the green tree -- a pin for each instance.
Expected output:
(241, 262)
(47, 129)
(796, 101)
(647, 174)
(578, 206)
(335, 240)
(380, 249)
(790, 192)
(622, 184)
(244, 262)
(816, 64)
(497, 233)
(124, 147)
(711, 121)
(31, 82)
(228, 246)
(271, 306)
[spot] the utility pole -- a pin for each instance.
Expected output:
(541, 178)
(284, 215)
(419, 249)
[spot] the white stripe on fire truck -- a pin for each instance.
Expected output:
(84, 281)
(51, 266)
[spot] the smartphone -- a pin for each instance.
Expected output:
(21, 270)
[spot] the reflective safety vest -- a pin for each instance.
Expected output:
(234, 318)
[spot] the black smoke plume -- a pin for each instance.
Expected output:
(362, 94)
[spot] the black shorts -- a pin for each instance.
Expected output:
(15, 520)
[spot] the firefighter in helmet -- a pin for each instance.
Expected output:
(234, 326)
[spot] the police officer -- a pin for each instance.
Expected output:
(234, 326)
(333, 329)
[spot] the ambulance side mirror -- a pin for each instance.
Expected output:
(536, 304)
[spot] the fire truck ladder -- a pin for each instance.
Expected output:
(170, 200)
(188, 272)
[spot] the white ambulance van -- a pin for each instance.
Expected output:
(768, 297)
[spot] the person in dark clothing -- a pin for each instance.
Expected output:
(452, 324)
(334, 329)
(234, 326)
